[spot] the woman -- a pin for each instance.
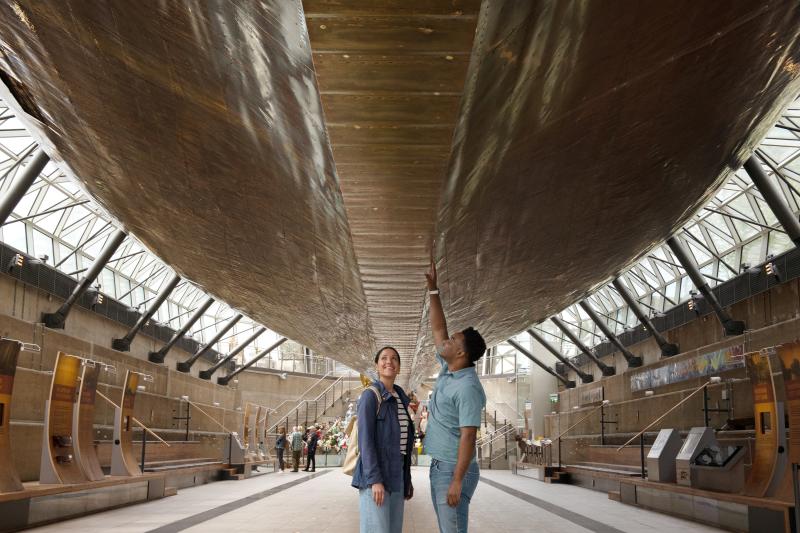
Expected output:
(385, 440)
(280, 445)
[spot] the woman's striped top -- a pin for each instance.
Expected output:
(405, 422)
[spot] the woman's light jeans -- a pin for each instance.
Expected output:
(388, 518)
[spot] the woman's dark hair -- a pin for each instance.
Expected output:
(474, 344)
(378, 353)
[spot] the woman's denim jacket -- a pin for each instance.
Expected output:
(380, 459)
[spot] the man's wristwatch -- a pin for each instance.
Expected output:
(433, 291)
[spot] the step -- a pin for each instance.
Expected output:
(180, 466)
(171, 462)
(605, 470)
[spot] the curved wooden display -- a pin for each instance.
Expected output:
(771, 454)
(249, 432)
(261, 424)
(123, 460)
(9, 353)
(85, 449)
(59, 463)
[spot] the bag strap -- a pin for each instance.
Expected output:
(377, 393)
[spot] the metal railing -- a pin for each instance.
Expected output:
(316, 407)
(300, 398)
(600, 407)
(640, 435)
(488, 441)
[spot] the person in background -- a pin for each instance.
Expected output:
(297, 448)
(313, 439)
(280, 445)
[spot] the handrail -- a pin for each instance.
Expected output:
(209, 416)
(496, 435)
(660, 418)
(301, 403)
(300, 398)
(135, 420)
(590, 413)
(506, 404)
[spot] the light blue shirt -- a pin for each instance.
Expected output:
(456, 402)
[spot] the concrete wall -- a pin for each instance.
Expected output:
(89, 335)
(771, 318)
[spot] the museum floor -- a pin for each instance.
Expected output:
(325, 503)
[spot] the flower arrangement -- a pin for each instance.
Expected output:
(334, 439)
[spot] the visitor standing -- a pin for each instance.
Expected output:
(313, 439)
(280, 446)
(297, 448)
(454, 416)
(383, 471)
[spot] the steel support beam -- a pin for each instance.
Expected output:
(668, 349)
(225, 379)
(604, 368)
(21, 185)
(123, 344)
(633, 360)
(585, 376)
(206, 374)
(568, 383)
(185, 366)
(774, 198)
(58, 319)
(160, 355)
(729, 325)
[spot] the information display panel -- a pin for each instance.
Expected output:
(123, 460)
(9, 353)
(85, 449)
(59, 464)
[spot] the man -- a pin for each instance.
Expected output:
(313, 438)
(453, 418)
(297, 448)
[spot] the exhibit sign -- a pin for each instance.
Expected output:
(706, 364)
(59, 462)
(9, 354)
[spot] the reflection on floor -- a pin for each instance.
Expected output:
(325, 503)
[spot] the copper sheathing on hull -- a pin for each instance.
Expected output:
(199, 126)
(584, 133)
(589, 131)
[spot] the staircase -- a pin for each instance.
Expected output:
(496, 449)
(332, 401)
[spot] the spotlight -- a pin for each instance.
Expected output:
(772, 269)
(140, 388)
(95, 297)
(694, 302)
(16, 262)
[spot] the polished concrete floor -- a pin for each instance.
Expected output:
(325, 503)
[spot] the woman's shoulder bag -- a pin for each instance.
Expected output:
(351, 459)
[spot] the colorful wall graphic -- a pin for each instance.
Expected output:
(701, 365)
